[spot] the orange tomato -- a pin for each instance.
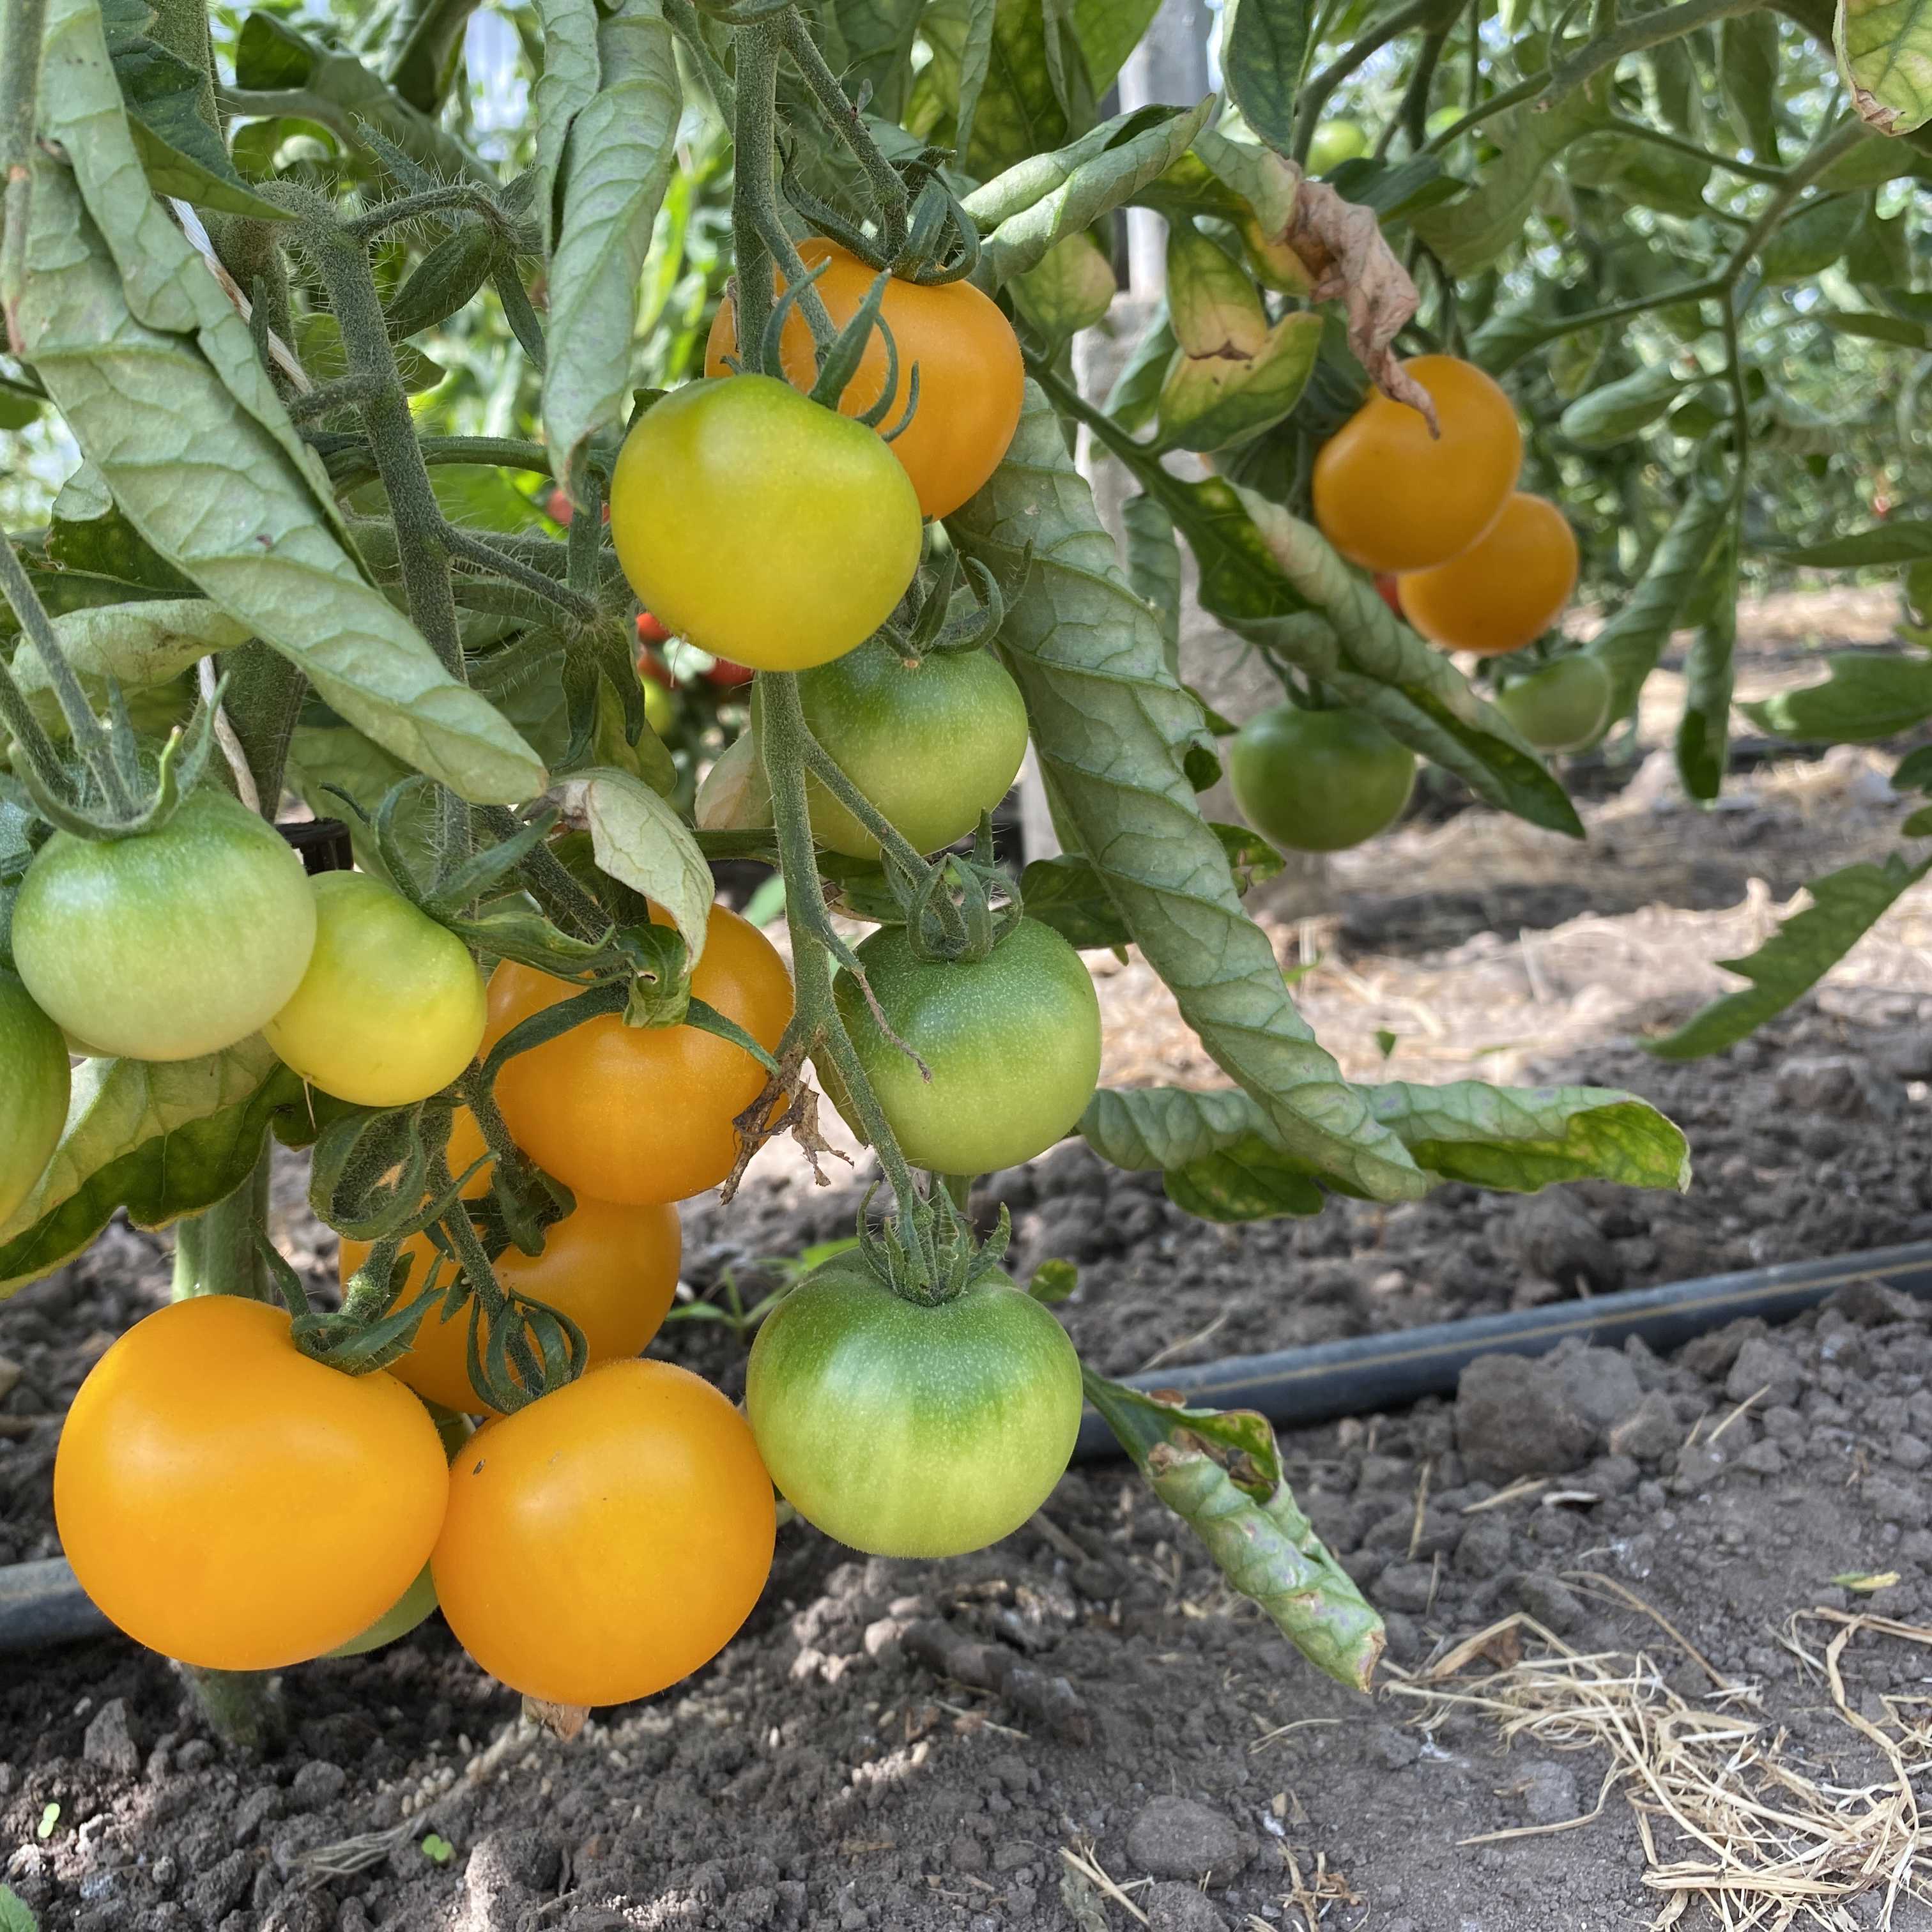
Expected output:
(1390, 497)
(612, 1269)
(608, 1540)
(971, 380)
(229, 1501)
(1505, 590)
(642, 1114)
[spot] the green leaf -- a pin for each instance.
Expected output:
(157, 377)
(1704, 731)
(1863, 698)
(1221, 1475)
(1136, 395)
(1152, 556)
(878, 36)
(639, 840)
(1885, 54)
(1902, 540)
(1065, 893)
(1640, 173)
(159, 1139)
(1020, 110)
(1070, 288)
(1810, 240)
(1845, 906)
(1633, 640)
(1262, 54)
(1052, 1282)
(1620, 409)
(1025, 211)
(325, 758)
(1880, 256)
(1478, 228)
(1748, 71)
(1872, 161)
(1875, 328)
(1113, 727)
(618, 152)
(136, 643)
(1215, 401)
(1679, 87)
(87, 533)
(14, 1916)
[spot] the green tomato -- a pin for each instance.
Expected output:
(170, 944)
(1442, 118)
(33, 1092)
(906, 1430)
(1561, 706)
(1319, 781)
(415, 1606)
(392, 1008)
(1336, 142)
(661, 707)
(762, 527)
(931, 744)
(1012, 1042)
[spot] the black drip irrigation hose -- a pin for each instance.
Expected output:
(41, 1603)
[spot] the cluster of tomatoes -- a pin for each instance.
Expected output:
(232, 1500)
(1469, 560)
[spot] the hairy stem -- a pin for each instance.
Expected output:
(215, 1252)
(888, 189)
(1314, 96)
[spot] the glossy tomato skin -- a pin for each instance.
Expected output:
(931, 744)
(1390, 496)
(228, 1501)
(1012, 1042)
(1505, 590)
(612, 1269)
(170, 944)
(1319, 781)
(34, 1091)
(762, 527)
(971, 379)
(608, 1540)
(642, 1115)
(391, 1009)
(1561, 707)
(909, 1431)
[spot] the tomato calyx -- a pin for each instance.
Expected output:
(930, 1255)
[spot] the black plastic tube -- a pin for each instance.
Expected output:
(1368, 1372)
(41, 1603)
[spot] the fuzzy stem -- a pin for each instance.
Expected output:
(215, 1252)
(849, 124)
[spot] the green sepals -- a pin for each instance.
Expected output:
(709, 1019)
(929, 1254)
(659, 991)
(443, 281)
(372, 1170)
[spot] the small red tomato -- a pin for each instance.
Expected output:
(1385, 589)
(650, 631)
(650, 665)
(726, 676)
(559, 508)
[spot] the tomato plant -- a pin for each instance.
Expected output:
(1390, 496)
(34, 1084)
(1561, 706)
(608, 1540)
(932, 742)
(642, 1114)
(1503, 592)
(1319, 781)
(230, 1502)
(166, 944)
(764, 528)
(612, 1269)
(970, 375)
(1010, 1044)
(909, 1430)
(390, 1010)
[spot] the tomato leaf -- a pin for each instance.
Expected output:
(157, 378)
(1882, 53)
(1845, 906)
(1025, 211)
(610, 156)
(159, 1139)
(1221, 1475)
(1704, 731)
(1631, 643)
(638, 839)
(135, 643)
(1748, 73)
(1112, 727)
(1622, 409)
(1864, 698)
(14, 1915)
(87, 532)
(1266, 41)
(1152, 556)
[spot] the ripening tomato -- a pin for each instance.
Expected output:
(1561, 705)
(1505, 590)
(34, 1089)
(724, 675)
(760, 526)
(971, 379)
(1011, 1041)
(1319, 781)
(612, 1269)
(229, 1501)
(642, 1114)
(391, 1009)
(905, 1430)
(1390, 497)
(170, 944)
(931, 744)
(608, 1540)
(650, 631)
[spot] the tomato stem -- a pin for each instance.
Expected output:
(849, 124)
(214, 1250)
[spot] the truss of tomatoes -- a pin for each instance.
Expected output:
(236, 1504)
